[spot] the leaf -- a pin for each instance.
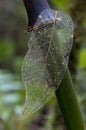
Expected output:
(46, 61)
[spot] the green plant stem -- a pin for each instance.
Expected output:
(69, 106)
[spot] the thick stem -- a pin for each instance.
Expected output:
(34, 8)
(68, 104)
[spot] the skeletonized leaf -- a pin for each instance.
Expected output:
(46, 60)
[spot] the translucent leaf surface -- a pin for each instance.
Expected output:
(46, 60)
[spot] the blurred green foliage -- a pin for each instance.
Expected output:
(82, 59)
(7, 49)
(13, 46)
